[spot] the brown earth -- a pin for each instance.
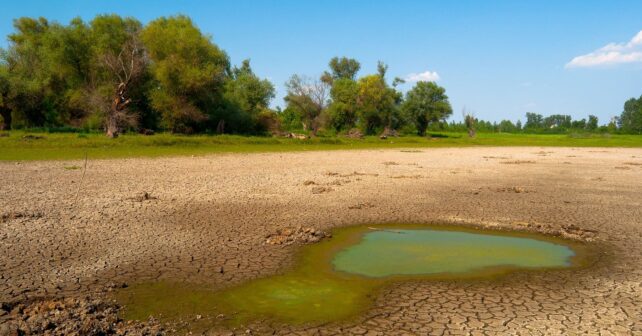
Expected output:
(186, 219)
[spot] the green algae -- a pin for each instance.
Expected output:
(338, 278)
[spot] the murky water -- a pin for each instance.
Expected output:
(415, 252)
(338, 278)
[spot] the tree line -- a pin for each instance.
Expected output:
(115, 74)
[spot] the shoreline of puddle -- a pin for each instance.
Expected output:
(311, 291)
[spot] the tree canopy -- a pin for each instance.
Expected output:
(427, 103)
(115, 74)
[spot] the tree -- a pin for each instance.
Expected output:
(426, 103)
(591, 125)
(309, 98)
(558, 121)
(579, 124)
(122, 64)
(5, 91)
(534, 121)
(31, 77)
(341, 68)
(342, 112)
(250, 94)
(631, 118)
(190, 71)
(382, 69)
(375, 104)
(507, 126)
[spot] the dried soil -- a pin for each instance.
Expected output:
(214, 212)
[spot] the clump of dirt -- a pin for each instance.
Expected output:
(144, 196)
(406, 176)
(321, 190)
(517, 190)
(576, 232)
(300, 234)
(339, 182)
(297, 136)
(361, 206)
(17, 215)
(308, 182)
(633, 163)
(568, 231)
(390, 163)
(518, 162)
(71, 316)
(354, 133)
(388, 132)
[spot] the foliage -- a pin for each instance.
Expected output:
(190, 71)
(630, 120)
(308, 98)
(250, 96)
(341, 68)
(375, 104)
(426, 103)
(114, 72)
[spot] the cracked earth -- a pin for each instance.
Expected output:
(204, 220)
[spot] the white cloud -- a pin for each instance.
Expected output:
(426, 76)
(611, 54)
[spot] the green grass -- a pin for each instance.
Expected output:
(18, 145)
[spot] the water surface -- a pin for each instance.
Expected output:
(384, 253)
(338, 278)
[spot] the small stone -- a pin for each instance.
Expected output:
(198, 317)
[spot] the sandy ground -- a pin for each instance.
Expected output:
(209, 212)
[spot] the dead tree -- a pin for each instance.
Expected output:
(127, 67)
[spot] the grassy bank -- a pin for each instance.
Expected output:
(20, 145)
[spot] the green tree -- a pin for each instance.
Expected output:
(249, 94)
(342, 112)
(341, 68)
(534, 121)
(31, 73)
(5, 102)
(375, 104)
(507, 126)
(309, 99)
(117, 93)
(579, 124)
(426, 103)
(558, 121)
(190, 71)
(591, 125)
(630, 120)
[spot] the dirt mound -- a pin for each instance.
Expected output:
(71, 316)
(354, 133)
(290, 236)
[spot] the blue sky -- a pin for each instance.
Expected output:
(499, 59)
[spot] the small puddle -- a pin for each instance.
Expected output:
(338, 278)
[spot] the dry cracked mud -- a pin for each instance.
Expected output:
(199, 215)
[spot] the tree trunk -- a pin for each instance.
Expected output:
(471, 133)
(118, 106)
(112, 127)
